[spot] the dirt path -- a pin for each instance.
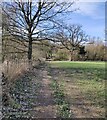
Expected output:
(32, 95)
(45, 107)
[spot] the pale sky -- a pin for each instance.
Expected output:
(91, 15)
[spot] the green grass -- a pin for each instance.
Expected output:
(77, 64)
(61, 102)
(93, 91)
(89, 77)
(90, 70)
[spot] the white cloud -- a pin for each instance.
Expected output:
(92, 0)
(92, 9)
(86, 7)
(82, 0)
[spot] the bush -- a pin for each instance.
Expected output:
(61, 55)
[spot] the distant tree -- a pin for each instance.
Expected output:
(97, 50)
(61, 54)
(82, 52)
(47, 49)
(72, 38)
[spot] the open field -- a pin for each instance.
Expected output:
(84, 86)
(58, 89)
(77, 64)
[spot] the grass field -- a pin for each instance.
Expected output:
(78, 64)
(84, 86)
(58, 89)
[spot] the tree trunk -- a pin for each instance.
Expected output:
(30, 52)
(30, 49)
(70, 56)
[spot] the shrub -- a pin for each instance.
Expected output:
(62, 54)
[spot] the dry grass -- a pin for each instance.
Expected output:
(13, 69)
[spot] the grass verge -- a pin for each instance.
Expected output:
(63, 105)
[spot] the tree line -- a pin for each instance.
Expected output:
(31, 28)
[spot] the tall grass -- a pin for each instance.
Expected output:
(14, 68)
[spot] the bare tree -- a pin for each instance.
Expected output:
(72, 38)
(11, 46)
(28, 19)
